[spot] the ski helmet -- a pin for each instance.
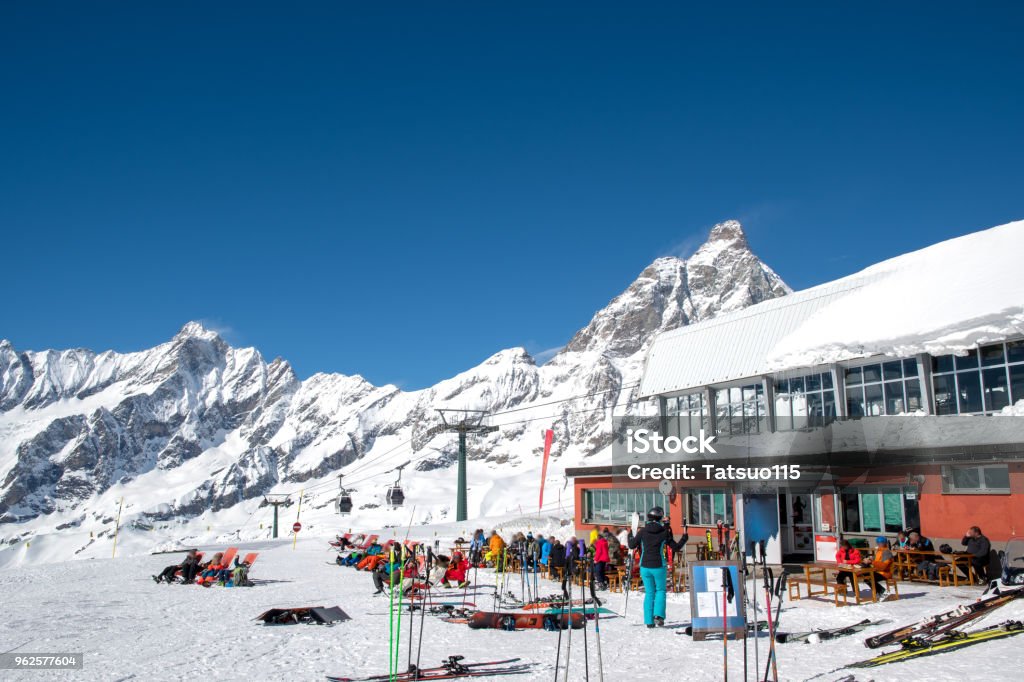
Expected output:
(655, 514)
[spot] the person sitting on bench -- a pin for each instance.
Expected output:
(979, 547)
(926, 566)
(846, 556)
(882, 564)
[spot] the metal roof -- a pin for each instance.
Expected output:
(736, 345)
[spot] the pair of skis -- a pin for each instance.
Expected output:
(451, 668)
(944, 622)
(772, 592)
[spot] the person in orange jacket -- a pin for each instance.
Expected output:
(497, 549)
(882, 564)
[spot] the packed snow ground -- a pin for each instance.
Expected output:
(130, 628)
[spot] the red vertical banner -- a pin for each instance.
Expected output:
(549, 436)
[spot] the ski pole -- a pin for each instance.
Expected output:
(423, 606)
(583, 598)
(770, 663)
(391, 613)
(423, 613)
(568, 637)
(743, 567)
(753, 592)
(726, 588)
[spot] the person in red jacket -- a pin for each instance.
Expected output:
(456, 572)
(601, 561)
(846, 556)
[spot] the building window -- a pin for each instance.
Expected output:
(804, 402)
(708, 507)
(741, 410)
(992, 479)
(985, 380)
(886, 388)
(879, 510)
(686, 415)
(607, 505)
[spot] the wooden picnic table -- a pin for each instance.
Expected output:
(822, 569)
(908, 559)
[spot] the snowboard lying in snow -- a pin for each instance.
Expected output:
(482, 620)
(318, 615)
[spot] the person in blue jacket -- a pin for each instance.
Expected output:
(545, 550)
(652, 540)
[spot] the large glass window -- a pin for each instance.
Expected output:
(885, 388)
(686, 415)
(878, 510)
(804, 401)
(740, 410)
(708, 507)
(989, 478)
(985, 380)
(606, 505)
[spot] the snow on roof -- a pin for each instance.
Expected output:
(942, 299)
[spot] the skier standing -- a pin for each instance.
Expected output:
(652, 540)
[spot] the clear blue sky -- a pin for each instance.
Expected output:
(401, 190)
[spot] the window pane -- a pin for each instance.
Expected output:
(969, 391)
(783, 412)
(997, 478)
(705, 509)
(943, 363)
(871, 516)
(996, 394)
(966, 478)
(719, 506)
(992, 355)
(782, 386)
(853, 376)
(913, 395)
(829, 407)
(873, 404)
(945, 394)
(1015, 351)
(796, 385)
(892, 370)
(872, 373)
(851, 513)
(1016, 383)
(812, 382)
(855, 402)
(969, 361)
(892, 504)
(814, 410)
(910, 367)
(826, 380)
(894, 397)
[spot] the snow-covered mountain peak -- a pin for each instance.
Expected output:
(722, 275)
(196, 330)
(197, 428)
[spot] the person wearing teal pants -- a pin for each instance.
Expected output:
(652, 540)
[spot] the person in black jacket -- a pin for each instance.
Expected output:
(979, 547)
(652, 540)
(188, 568)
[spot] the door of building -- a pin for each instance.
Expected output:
(796, 516)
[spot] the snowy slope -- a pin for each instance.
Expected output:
(192, 433)
(130, 628)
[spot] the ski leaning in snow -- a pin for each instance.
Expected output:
(949, 642)
(450, 669)
(825, 635)
(944, 621)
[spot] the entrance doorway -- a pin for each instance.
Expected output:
(796, 517)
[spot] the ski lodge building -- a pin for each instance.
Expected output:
(898, 390)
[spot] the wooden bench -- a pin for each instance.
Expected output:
(838, 591)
